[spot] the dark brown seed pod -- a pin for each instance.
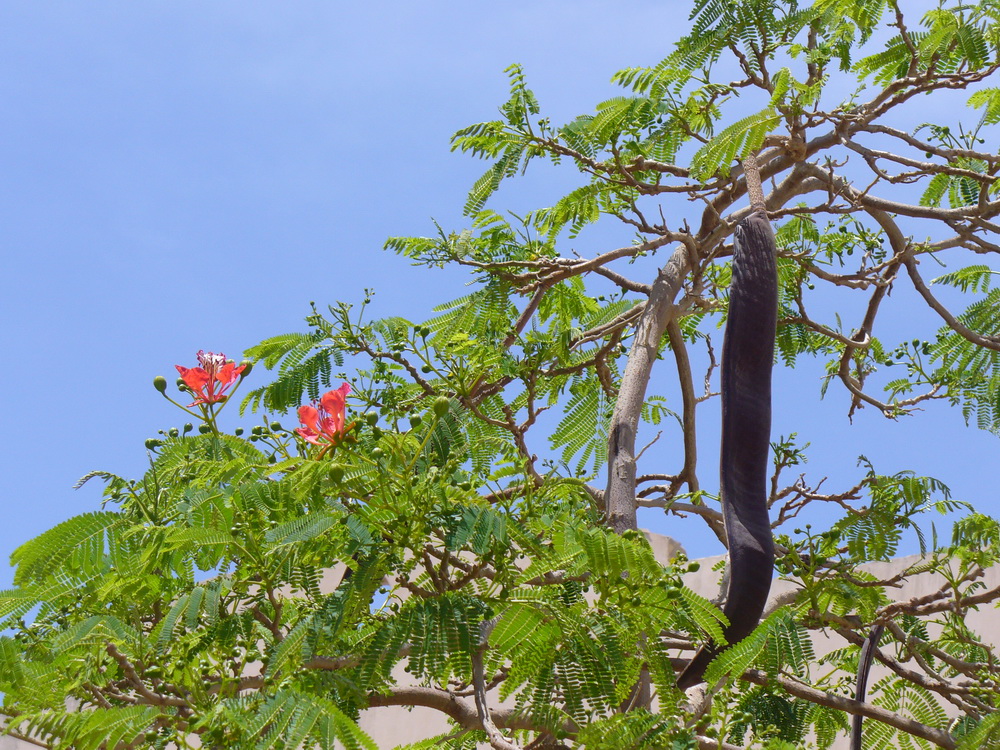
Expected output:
(868, 649)
(747, 354)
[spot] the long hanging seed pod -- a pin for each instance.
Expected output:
(747, 355)
(868, 649)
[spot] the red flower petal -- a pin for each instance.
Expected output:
(194, 378)
(308, 435)
(335, 401)
(309, 417)
(227, 374)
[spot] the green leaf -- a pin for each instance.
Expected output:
(77, 546)
(732, 144)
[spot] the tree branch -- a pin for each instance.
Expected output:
(619, 497)
(798, 689)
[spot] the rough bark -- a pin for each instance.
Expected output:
(619, 497)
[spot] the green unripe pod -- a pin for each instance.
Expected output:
(160, 383)
(441, 404)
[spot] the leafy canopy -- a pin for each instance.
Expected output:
(447, 543)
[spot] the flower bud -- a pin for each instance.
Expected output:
(160, 383)
(441, 405)
(415, 420)
(153, 443)
(173, 432)
(238, 431)
(181, 385)
(204, 429)
(276, 426)
(247, 366)
(336, 473)
(371, 418)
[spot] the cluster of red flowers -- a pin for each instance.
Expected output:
(210, 381)
(324, 422)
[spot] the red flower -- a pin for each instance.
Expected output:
(210, 381)
(326, 419)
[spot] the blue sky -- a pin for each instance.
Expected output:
(182, 175)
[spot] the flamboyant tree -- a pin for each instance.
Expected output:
(492, 552)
